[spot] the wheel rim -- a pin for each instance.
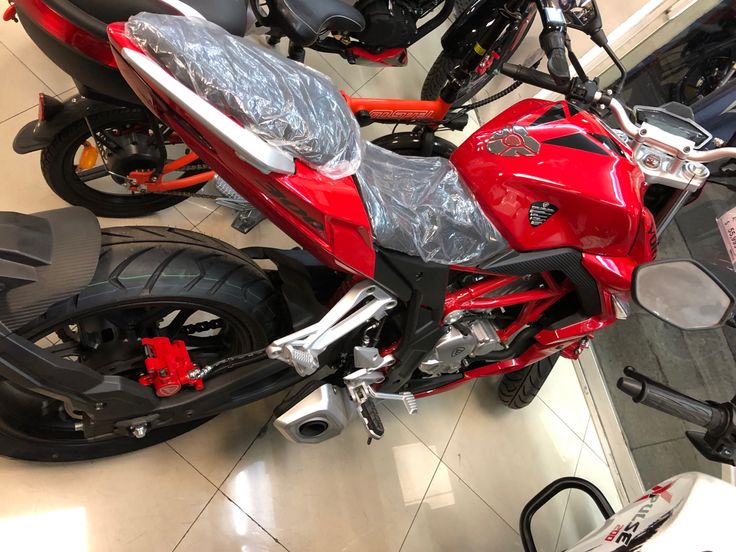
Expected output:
(108, 340)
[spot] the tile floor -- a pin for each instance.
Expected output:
(454, 477)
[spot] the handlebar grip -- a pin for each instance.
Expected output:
(553, 44)
(534, 77)
(660, 397)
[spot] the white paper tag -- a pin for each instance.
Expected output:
(727, 226)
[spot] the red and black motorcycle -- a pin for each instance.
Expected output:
(417, 274)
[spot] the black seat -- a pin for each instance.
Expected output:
(303, 20)
(228, 14)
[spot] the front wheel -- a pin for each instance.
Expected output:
(439, 73)
(149, 282)
(519, 388)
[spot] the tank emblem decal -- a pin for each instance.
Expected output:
(540, 211)
(513, 142)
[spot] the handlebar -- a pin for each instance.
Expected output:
(660, 397)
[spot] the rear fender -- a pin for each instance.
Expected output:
(38, 134)
(44, 258)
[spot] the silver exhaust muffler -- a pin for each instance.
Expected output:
(319, 416)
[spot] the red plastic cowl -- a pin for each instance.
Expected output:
(168, 366)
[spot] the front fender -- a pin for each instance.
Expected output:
(463, 33)
(38, 134)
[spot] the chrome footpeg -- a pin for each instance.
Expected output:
(364, 302)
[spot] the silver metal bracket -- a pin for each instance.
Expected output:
(364, 302)
(359, 384)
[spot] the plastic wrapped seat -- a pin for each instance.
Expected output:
(420, 206)
(417, 205)
(284, 102)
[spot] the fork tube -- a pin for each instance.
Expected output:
(667, 214)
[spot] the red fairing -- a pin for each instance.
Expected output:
(549, 153)
(63, 29)
(325, 216)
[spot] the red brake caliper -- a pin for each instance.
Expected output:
(169, 366)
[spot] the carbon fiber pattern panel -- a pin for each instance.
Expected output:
(566, 260)
(75, 236)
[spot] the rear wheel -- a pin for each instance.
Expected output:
(133, 146)
(149, 282)
(519, 388)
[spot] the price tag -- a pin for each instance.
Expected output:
(727, 226)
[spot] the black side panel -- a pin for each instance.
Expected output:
(405, 142)
(406, 276)
(63, 255)
(577, 141)
(566, 260)
(554, 113)
(423, 286)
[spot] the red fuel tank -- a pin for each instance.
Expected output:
(550, 175)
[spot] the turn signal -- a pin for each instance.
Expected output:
(88, 159)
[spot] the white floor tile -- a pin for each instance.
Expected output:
(395, 82)
(452, 517)
(582, 516)
(138, 502)
(23, 86)
(214, 448)
(223, 527)
(508, 456)
(563, 394)
(436, 418)
(426, 50)
(24, 189)
(197, 209)
(338, 495)
(355, 75)
(218, 225)
(17, 40)
(168, 217)
(591, 439)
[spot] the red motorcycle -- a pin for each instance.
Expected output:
(417, 274)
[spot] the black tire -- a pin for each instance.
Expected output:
(58, 168)
(519, 388)
(150, 270)
(437, 78)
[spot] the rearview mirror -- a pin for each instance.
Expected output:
(582, 15)
(683, 293)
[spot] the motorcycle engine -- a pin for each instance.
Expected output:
(388, 23)
(471, 336)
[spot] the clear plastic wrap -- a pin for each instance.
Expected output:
(286, 103)
(421, 207)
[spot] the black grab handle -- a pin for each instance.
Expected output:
(547, 494)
